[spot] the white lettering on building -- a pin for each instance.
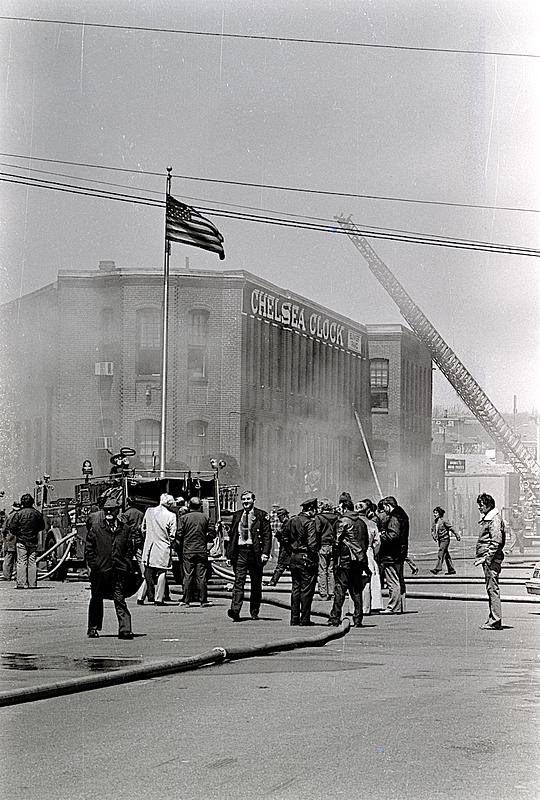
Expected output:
(268, 306)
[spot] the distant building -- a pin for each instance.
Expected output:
(467, 476)
(258, 376)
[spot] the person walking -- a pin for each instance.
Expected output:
(300, 536)
(372, 595)
(284, 556)
(193, 535)
(26, 525)
(9, 545)
(326, 522)
(108, 556)
(489, 554)
(248, 550)
(351, 566)
(159, 529)
(440, 532)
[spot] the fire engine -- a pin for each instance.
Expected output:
(61, 546)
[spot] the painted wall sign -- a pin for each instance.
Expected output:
(289, 314)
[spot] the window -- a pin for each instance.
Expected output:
(198, 342)
(378, 372)
(147, 441)
(196, 438)
(149, 341)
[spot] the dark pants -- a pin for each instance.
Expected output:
(195, 572)
(349, 575)
(282, 564)
(444, 557)
(304, 581)
(107, 585)
(247, 562)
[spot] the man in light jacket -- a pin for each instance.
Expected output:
(159, 529)
(489, 553)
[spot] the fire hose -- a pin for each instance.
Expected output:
(43, 575)
(158, 668)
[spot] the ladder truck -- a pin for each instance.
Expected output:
(450, 365)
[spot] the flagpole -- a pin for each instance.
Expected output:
(165, 340)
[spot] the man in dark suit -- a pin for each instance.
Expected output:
(250, 541)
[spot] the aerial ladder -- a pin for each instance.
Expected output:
(452, 368)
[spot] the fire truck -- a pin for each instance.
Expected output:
(61, 546)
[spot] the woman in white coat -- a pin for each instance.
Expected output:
(159, 529)
(372, 595)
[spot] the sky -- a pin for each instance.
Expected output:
(452, 130)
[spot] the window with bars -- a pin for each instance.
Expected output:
(149, 341)
(378, 378)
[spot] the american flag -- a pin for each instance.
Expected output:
(186, 225)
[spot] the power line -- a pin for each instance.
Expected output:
(376, 233)
(200, 199)
(276, 186)
(288, 39)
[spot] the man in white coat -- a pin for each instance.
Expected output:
(159, 529)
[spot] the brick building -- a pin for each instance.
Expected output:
(258, 376)
(401, 379)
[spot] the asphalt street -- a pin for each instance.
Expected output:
(422, 705)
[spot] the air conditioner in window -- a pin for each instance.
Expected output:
(104, 443)
(104, 368)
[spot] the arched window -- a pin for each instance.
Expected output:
(147, 440)
(196, 438)
(197, 343)
(379, 375)
(149, 341)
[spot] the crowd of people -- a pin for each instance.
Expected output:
(349, 548)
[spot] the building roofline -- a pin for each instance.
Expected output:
(47, 288)
(241, 275)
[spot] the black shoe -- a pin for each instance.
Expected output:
(435, 571)
(453, 572)
(140, 602)
(234, 615)
(127, 635)
(93, 633)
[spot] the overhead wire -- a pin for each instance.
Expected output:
(262, 37)
(377, 233)
(330, 193)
